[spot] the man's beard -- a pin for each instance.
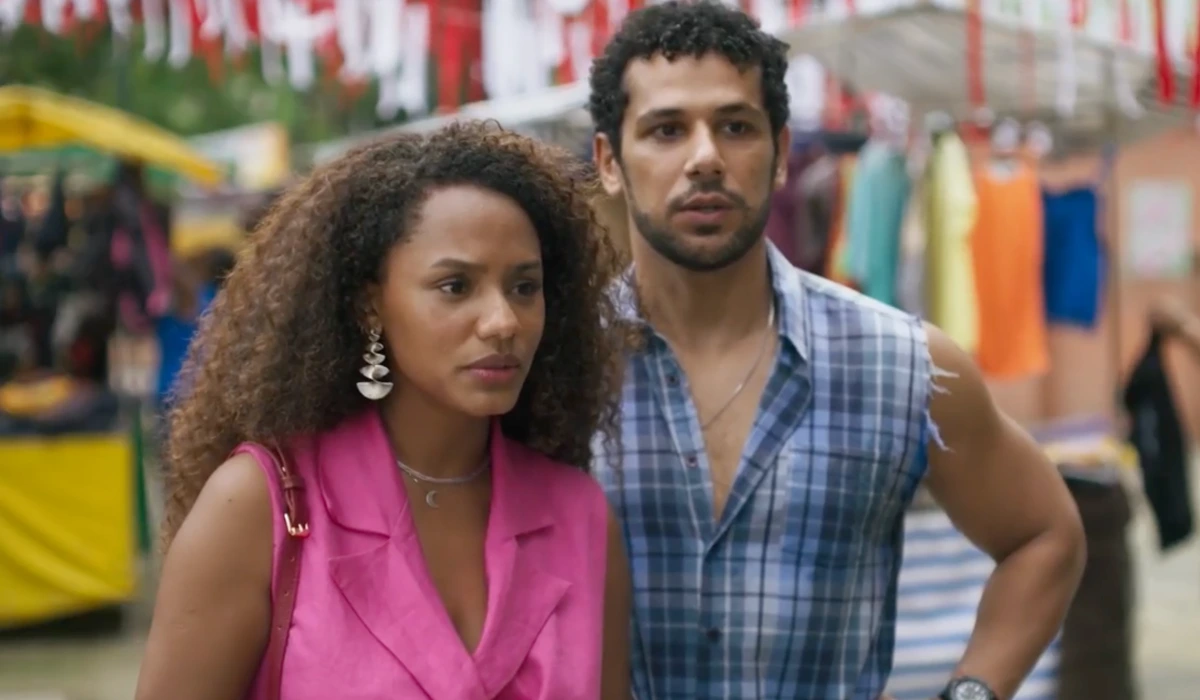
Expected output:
(675, 247)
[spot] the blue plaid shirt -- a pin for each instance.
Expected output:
(791, 593)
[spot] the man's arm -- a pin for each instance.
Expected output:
(1002, 492)
(1172, 317)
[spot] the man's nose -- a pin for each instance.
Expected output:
(705, 162)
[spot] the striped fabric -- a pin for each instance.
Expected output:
(941, 583)
(791, 592)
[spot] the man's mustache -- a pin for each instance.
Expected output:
(676, 204)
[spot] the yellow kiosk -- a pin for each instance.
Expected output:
(67, 516)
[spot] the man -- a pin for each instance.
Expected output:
(774, 423)
(1172, 317)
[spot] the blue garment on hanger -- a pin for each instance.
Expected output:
(1075, 261)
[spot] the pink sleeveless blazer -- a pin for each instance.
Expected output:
(368, 623)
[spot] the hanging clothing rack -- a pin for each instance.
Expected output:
(915, 53)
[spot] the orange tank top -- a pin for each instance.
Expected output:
(1007, 248)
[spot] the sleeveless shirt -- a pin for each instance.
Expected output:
(368, 622)
(791, 591)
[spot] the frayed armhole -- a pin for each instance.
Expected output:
(928, 432)
(929, 427)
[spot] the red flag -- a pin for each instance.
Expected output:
(797, 12)
(1166, 73)
(975, 87)
(1078, 12)
(1196, 62)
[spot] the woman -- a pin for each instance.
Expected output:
(456, 548)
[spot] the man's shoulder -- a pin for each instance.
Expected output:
(852, 312)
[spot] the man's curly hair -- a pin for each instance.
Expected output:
(685, 29)
(278, 354)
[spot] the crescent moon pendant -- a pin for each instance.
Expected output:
(431, 499)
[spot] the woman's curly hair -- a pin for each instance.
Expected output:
(278, 353)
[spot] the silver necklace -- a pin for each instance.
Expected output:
(425, 479)
(762, 350)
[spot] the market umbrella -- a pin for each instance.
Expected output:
(33, 118)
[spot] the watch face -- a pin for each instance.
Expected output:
(970, 690)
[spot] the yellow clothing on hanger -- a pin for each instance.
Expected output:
(839, 257)
(950, 210)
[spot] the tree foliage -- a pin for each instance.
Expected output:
(94, 64)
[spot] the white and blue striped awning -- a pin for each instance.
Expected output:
(941, 583)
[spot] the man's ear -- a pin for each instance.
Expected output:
(783, 150)
(608, 165)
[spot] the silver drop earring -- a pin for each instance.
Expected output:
(374, 389)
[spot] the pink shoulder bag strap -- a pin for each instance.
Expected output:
(295, 520)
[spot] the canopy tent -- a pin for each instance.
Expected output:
(557, 104)
(1104, 95)
(561, 107)
(33, 118)
(915, 51)
(557, 114)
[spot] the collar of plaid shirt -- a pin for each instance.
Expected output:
(790, 594)
(789, 293)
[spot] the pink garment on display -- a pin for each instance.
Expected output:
(368, 621)
(121, 254)
(159, 255)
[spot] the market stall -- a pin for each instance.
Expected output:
(1078, 73)
(71, 496)
(67, 502)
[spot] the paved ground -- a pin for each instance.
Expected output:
(1169, 616)
(1168, 625)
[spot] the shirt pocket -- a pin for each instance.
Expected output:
(842, 503)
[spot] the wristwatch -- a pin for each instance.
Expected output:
(967, 688)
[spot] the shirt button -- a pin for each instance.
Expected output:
(672, 379)
(713, 634)
(691, 460)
